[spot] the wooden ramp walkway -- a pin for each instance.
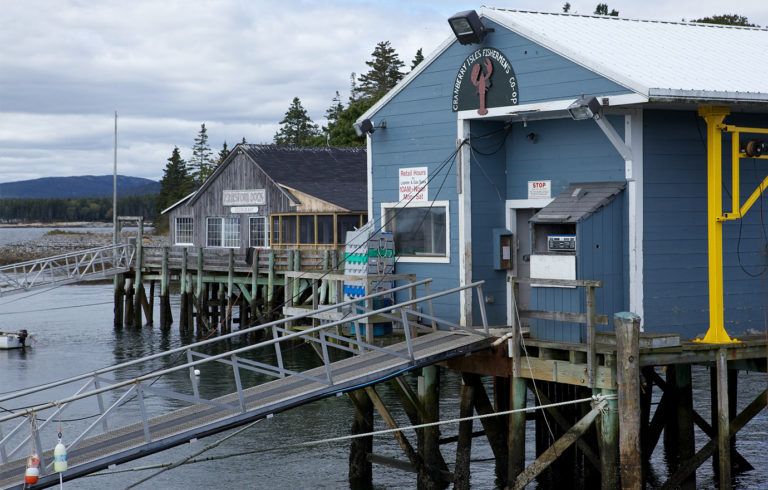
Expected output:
(178, 427)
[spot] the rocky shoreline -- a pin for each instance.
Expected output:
(60, 242)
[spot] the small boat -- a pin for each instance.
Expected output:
(13, 340)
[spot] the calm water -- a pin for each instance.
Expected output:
(73, 329)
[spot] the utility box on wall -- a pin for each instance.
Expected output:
(504, 249)
(577, 236)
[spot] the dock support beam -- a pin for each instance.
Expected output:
(627, 327)
(516, 436)
(723, 421)
(429, 450)
(360, 467)
(119, 283)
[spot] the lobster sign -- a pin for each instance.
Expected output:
(486, 79)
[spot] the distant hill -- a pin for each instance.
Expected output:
(82, 186)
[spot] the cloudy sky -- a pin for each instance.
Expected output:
(167, 66)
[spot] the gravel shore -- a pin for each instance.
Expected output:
(56, 243)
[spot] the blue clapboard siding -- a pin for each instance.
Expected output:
(601, 255)
(421, 131)
(566, 151)
(488, 204)
(675, 240)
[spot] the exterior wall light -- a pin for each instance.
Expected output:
(366, 127)
(468, 28)
(582, 109)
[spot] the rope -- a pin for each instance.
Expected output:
(597, 399)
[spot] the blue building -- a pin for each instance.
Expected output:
(491, 143)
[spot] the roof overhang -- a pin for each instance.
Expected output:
(555, 109)
(179, 202)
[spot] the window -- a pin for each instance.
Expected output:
(313, 229)
(420, 230)
(185, 231)
(258, 231)
(325, 228)
(307, 229)
(346, 223)
(223, 232)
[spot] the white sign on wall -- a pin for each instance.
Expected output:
(539, 189)
(245, 209)
(245, 197)
(413, 184)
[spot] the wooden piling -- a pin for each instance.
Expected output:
(230, 291)
(128, 296)
(723, 421)
(360, 467)
(627, 326)
(184, 300)
(138, 286)
(608, 442)
(271, 281)
(516, 434)
(429, 476)
(200, 295)
(165, 301)
(464, 444)
(119, 284)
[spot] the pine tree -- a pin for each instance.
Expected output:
(417, 59)
(175, 184)
(332, 114)
(727, 19)
(297, 129)
(223, 153)
(602, 9)
(567, 7)
(200, 167)
(383, 75)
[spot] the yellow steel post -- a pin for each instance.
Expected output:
(714, 117)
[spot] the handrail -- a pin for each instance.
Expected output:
(590, 318)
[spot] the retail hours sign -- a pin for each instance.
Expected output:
(413, 184)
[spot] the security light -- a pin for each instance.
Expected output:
(366, 127)
(468, 28)
(583, 108)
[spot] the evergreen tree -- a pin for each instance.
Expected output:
(602, 9)
(297, 129)
(727, 19)
(567, 7)
(383, 75)
(175, 184)
(332, 114)
(200, 166)
(343, 133)
(224, 153)
(417, 59)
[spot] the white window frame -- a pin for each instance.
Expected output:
(191, 221)
(226, 230)
(265, 220)
(429, 204)
(222, 242)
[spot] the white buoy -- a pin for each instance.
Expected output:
(197, 372)
(60, 458)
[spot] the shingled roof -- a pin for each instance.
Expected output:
(335, 175)
(579, 201)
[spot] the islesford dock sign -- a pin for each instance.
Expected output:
(485, 79)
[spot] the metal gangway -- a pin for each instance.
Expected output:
(116, 412)
(82, 265)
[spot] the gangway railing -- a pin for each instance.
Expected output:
(66, 268)
(117, 398)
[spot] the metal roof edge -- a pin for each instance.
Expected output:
(179, 202)
(407, 79)
(496, 15)
(680, 95)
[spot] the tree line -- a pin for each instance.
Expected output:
(27, 210)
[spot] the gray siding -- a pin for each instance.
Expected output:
(241, 173)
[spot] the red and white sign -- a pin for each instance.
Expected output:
(413, 184)
(245, 197)
(539, 189)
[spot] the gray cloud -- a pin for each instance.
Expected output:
(166, 67)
